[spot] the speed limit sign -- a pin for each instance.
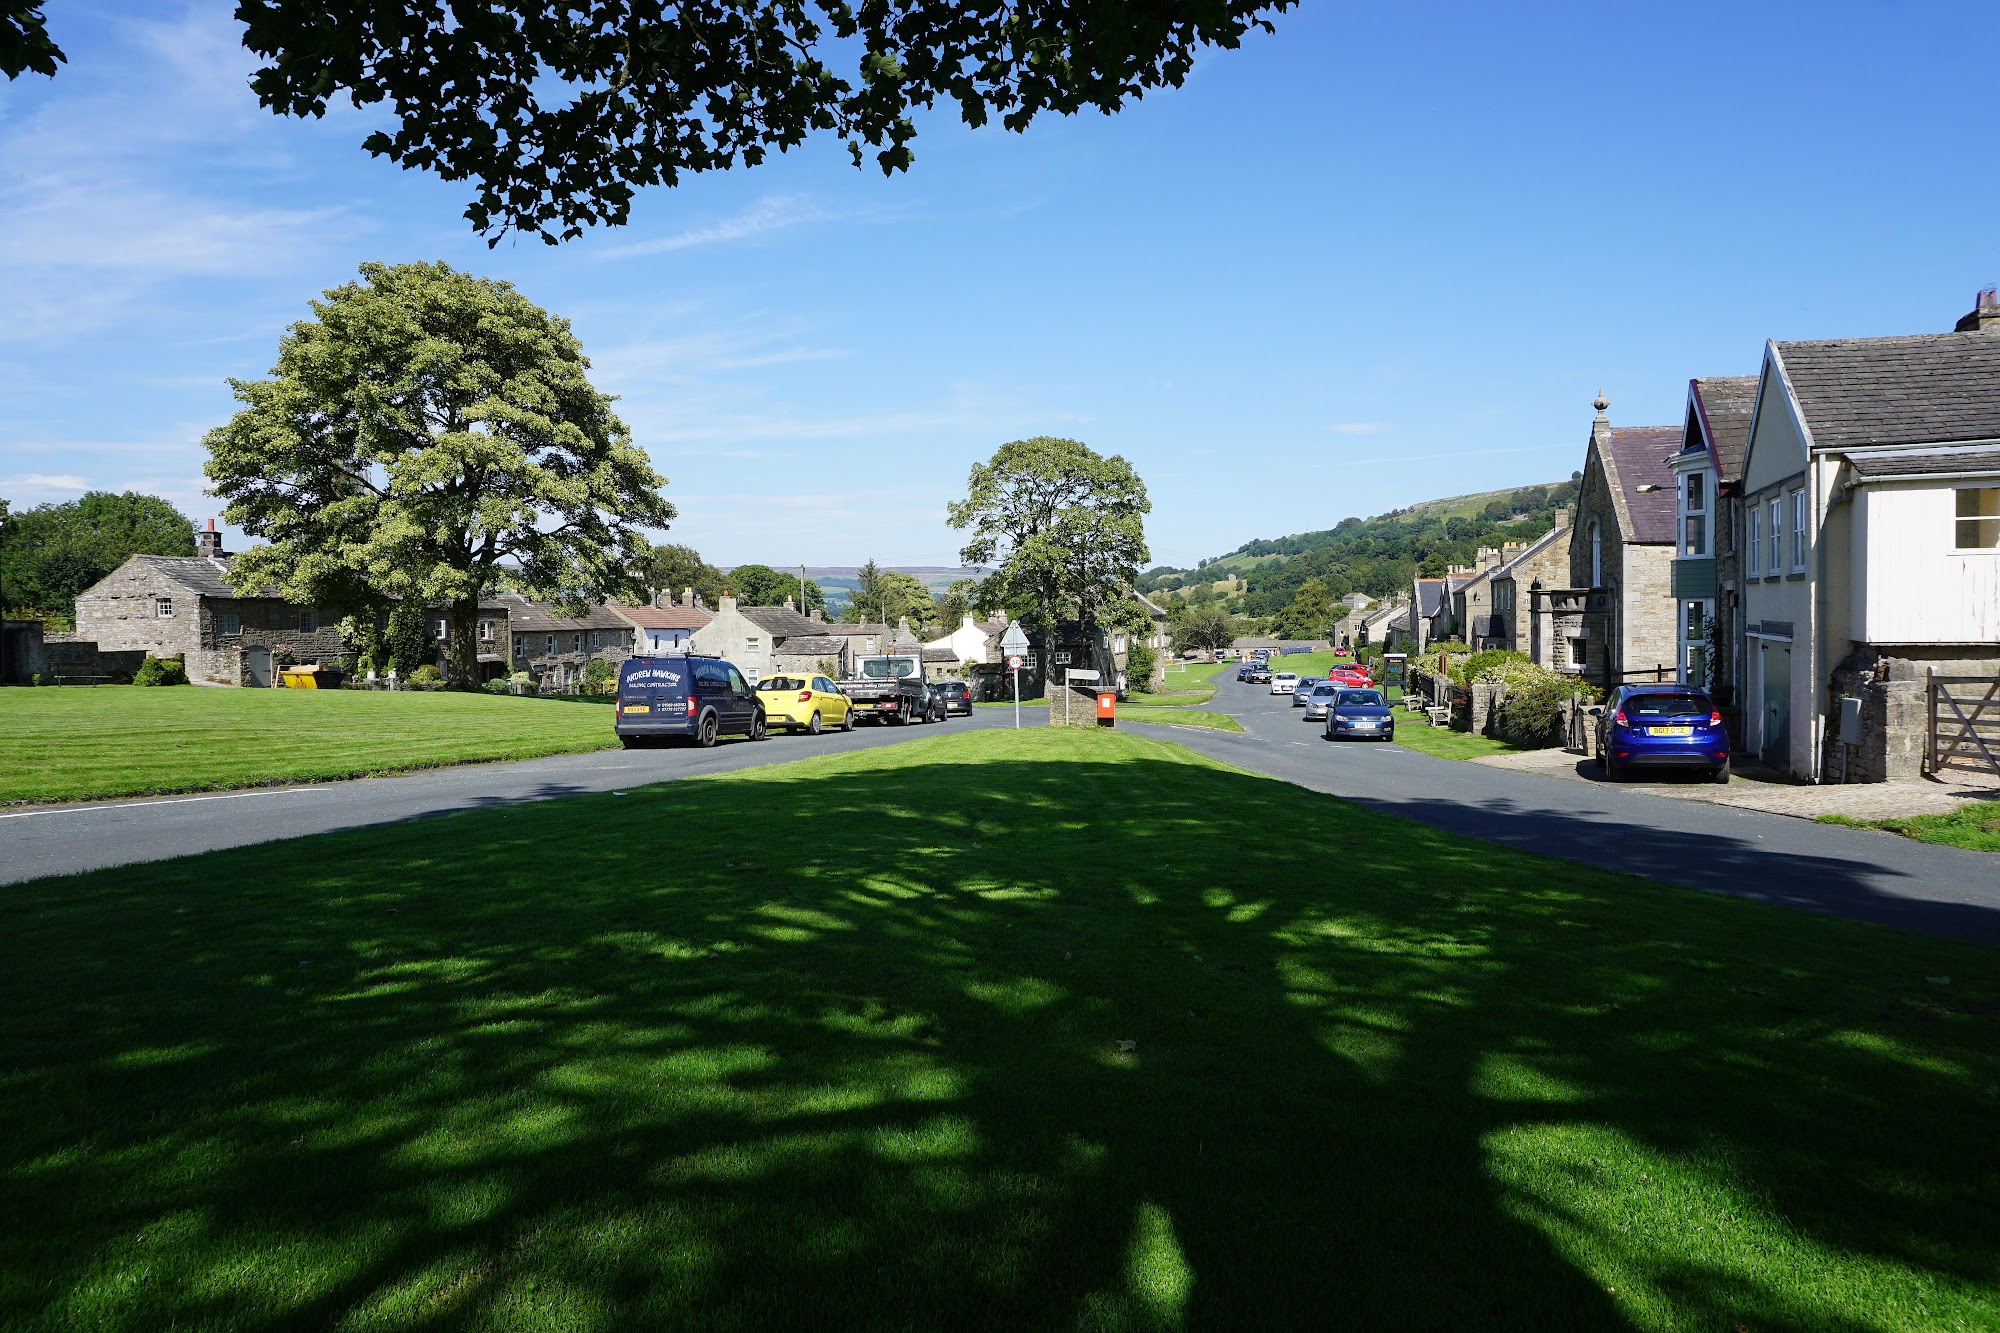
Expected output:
(1013, 664)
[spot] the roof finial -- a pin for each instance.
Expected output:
(1600, 402)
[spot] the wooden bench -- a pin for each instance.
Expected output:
(61, 679)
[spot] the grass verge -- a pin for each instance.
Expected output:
(75, 744)
(1178, 717)
(1413, 733)
(1031, 1030)
(1975, 825)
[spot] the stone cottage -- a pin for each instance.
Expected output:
(183, 606)
(1615, 620)
(753, 637)
(1542, 563)
(557, 648)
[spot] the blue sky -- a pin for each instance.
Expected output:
(1389, 253)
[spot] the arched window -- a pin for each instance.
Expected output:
(1596, 557)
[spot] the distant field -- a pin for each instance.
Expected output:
(73, 744)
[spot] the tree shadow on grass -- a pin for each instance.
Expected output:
(844, 1045)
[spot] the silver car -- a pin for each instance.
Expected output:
(1320, 699)
(1304, 688)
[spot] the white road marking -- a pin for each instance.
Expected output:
(176, 800)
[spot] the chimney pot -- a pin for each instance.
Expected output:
(1985, 314)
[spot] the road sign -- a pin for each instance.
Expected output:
(1014, 663)
(1013, 642)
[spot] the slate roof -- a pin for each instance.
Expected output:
(1430, 596)
(1928, 389)
(808, 645)
(529, 617)
(1489, 627)
(198, 574)
(1925, 462)
(781, 622)
(847, 630)
(1724, 404)
(1637, 456)
(663, 617)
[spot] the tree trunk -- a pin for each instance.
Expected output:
(461, 652)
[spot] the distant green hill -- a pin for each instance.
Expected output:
(838, 582)
(1372, 555)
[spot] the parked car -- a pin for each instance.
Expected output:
(1304, 688)
(957, 696)
(1661, 726)
(1260, 674)
(1284, 682)
(1246, 671)
(804, 703)
(1352, 713)
(686, 697)
(1318, 701)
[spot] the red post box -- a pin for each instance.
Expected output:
(1107, 708)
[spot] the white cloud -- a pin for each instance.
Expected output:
(43, 484)
(772, 213)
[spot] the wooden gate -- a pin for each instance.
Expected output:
(1964, 723)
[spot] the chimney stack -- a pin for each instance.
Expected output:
(789, 606)
(1562, 518)
(208, 542)
(726, 605)
(687, 597)
(1985, 314)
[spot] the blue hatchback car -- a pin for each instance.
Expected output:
(1661, 726)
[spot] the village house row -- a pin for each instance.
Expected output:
(1813, 545)
(184, 606)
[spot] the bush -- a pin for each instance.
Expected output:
(598, 677)
(1139, 660)
(499, 685)
(161, 671)
(1531, 711)
(427, 675)
(1431, 660)
(1467, 670)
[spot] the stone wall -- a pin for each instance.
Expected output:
(1893, 685)
(121, 612)
(1082, 709)
(33, 652)
(1650, 630)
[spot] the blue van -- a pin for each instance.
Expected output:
(688, 697)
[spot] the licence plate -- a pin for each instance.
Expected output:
(1671, 731)
(638, 708)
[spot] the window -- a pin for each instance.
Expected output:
(1756, 541)
(228, 624)
(1798, 531)
(163, 607)
(1596, 557)
(520, 647)
(1979, 518)
(1694, 514)
(440, 628)
(576, 643)
(486, 631)
(549, 650)
(308, 621)
(1775, 528)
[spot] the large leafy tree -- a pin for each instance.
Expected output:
(52, 552)
(422, 431)
(657, 571)
(761, 585)
(887, 596)
(559, 112)
(1309, 615)
(1201, 629)
(1064, 524)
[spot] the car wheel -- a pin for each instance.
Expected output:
(847, 720)
(705, 731)
(1721, 776)
(632, 742)
(757, 728)
(812, 723)
(1613, 770)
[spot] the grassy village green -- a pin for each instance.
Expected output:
(1041, 1029)
(1975, 825)
(71, 744)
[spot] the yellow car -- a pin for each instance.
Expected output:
(804, 703)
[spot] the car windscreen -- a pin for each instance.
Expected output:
(1360, 699)
(649, 676)
(1322, 691)
(781, 683)
(1667, 705)
(888, 668)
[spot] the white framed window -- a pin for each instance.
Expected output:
(1596, 556)
(228, 624)
(1977, 526)
(576, 643)
(486, 631)
(440, 627)
(550, 649)
(1756, 561)
(1775, 527)
(308, 621)
(163, 607)
(1798, 531)
(1694, 514)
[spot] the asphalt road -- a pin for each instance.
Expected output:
(63, 839)
(1856, 873)
(1844, 872)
